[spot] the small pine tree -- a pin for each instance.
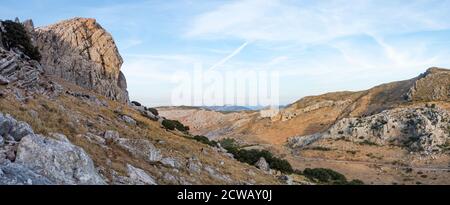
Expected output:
(16, 37)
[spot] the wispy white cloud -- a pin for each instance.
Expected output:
(230, 56)
(316, 21)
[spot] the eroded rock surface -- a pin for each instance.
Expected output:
(28, 158)
(425, 130)
(79, 50)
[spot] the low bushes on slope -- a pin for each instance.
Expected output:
(205, 140)
(320, 175)
(174, 124)
(328, 176)
(252, 156)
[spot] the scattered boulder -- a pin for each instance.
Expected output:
(135, 176)
(150, 115)
(216, 174)
(62, 162)
(10, 127)
(139, 177)
(262, 164)
(140, 148)
(111, 135)
(169, 178)
(128, 120)
(94, 138)
(194, 166)
(171, 162)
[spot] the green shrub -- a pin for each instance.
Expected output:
(325, 149)
(205, 140)
(281, 165)
(328, 176)
(174, 124)
(17, 37)
(252, 156)
(228, 143)
(324, 175)
(367, 142)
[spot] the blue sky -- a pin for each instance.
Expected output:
(317, 46)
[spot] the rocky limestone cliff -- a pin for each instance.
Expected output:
(79, 50)
(425, 130)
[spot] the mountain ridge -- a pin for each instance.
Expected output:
(400, 126)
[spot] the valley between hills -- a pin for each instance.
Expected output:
(395, 133)
(66, 118)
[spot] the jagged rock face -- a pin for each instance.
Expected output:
(81, 51)
(425, 130)
(61, 161)
(433, 85)
(19, 70)
(28, 158)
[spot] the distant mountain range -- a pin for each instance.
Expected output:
(236, 108)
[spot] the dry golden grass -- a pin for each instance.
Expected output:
(74, 117)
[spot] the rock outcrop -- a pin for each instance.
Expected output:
(29, 158)
(12, 129)
(82, 52)
(16, 174)
(433, 85)
(140, 148)
(262, 164)
(20, 70)
(424, 130)
(3, 80)
(61, 161)
(61, 91)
